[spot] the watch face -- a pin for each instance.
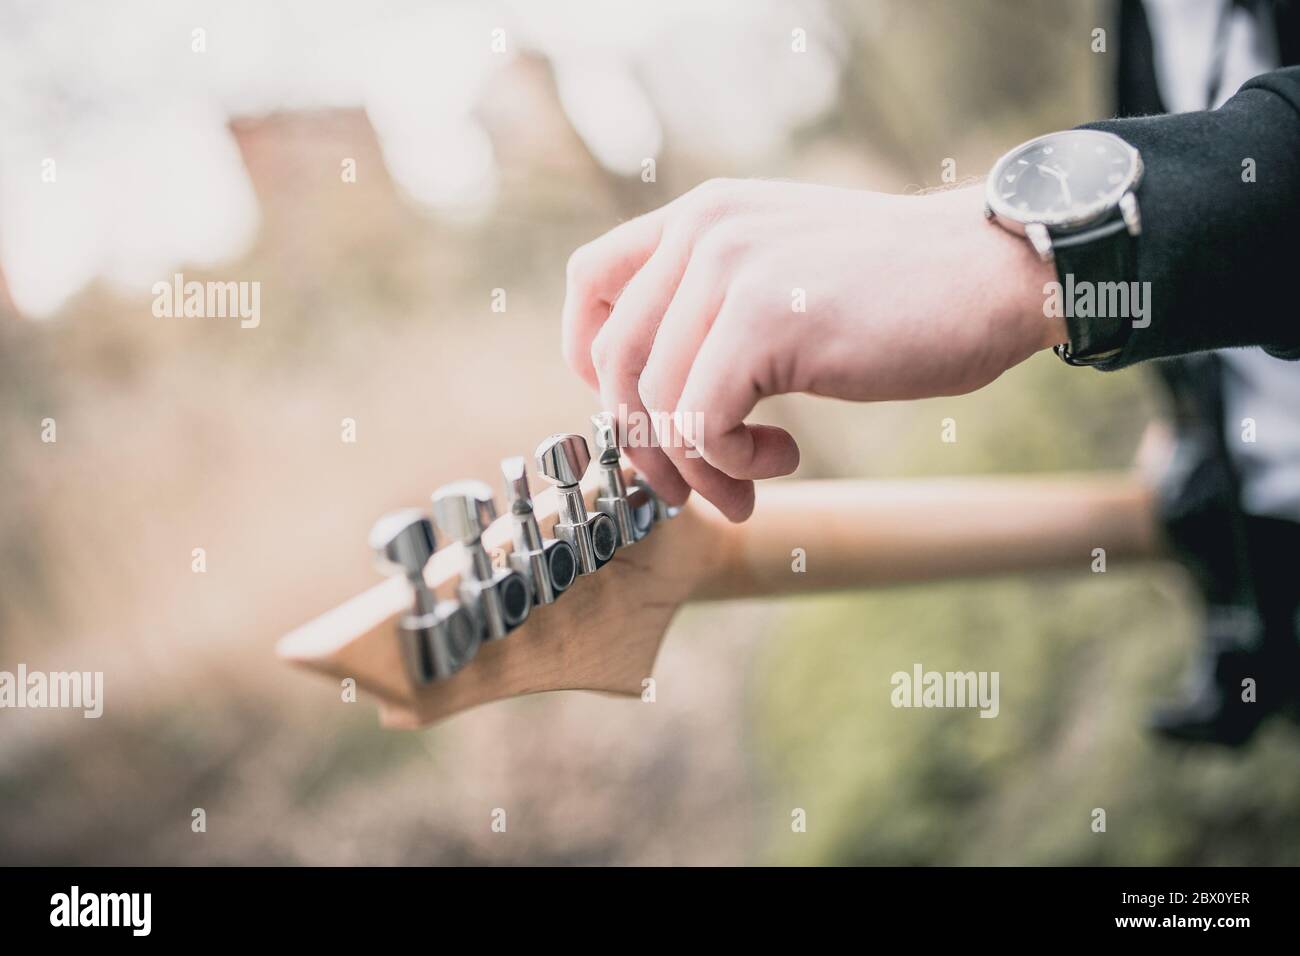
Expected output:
(1063, 179)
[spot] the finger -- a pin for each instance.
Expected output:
(682, 331)
(620, 352)
(733, 497)
(596, 273)
(710, 414)
(684, 325)
(661, 474)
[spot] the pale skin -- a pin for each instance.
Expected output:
(692, 310)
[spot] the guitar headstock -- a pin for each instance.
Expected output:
(602, 632)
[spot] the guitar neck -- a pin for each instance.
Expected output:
(854, 534)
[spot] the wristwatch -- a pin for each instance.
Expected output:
(1072, 195)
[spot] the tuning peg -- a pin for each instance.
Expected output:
(549, 564)
(500, 597)
(633, 521)
(438, 638)
(404, 541)
(562, 460)
(463, 509)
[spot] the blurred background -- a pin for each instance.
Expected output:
(488, 141)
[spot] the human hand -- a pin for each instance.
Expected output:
(689, 315)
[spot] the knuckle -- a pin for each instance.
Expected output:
(710, 187)
(691, 418)
(722, 245)
(601, 353)
(712, 198)
(610, 353)
(648, 389)
(578, 271)
(701, 426)
(574, 354)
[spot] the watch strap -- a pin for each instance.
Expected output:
(1097, 254)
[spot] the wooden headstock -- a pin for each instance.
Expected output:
(604, 633)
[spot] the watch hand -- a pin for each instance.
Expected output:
(1060, 177)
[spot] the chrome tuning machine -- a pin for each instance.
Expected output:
(438, 638)
(562, 460)
(499, 597)
(549, 564)
(633, 509)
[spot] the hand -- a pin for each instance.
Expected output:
(691, 313)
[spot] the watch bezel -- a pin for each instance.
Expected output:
(1013, 219)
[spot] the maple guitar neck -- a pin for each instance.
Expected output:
(810, 536)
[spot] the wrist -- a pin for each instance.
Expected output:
(1024, 277)
(1027, 278)
(1011, 278)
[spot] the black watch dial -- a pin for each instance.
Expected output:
(1064, 179)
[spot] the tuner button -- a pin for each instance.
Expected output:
(404, 540)
(563, 459)
(605, 436)
(518, 495)
(463, 509)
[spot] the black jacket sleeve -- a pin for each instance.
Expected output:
(1219, 249)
